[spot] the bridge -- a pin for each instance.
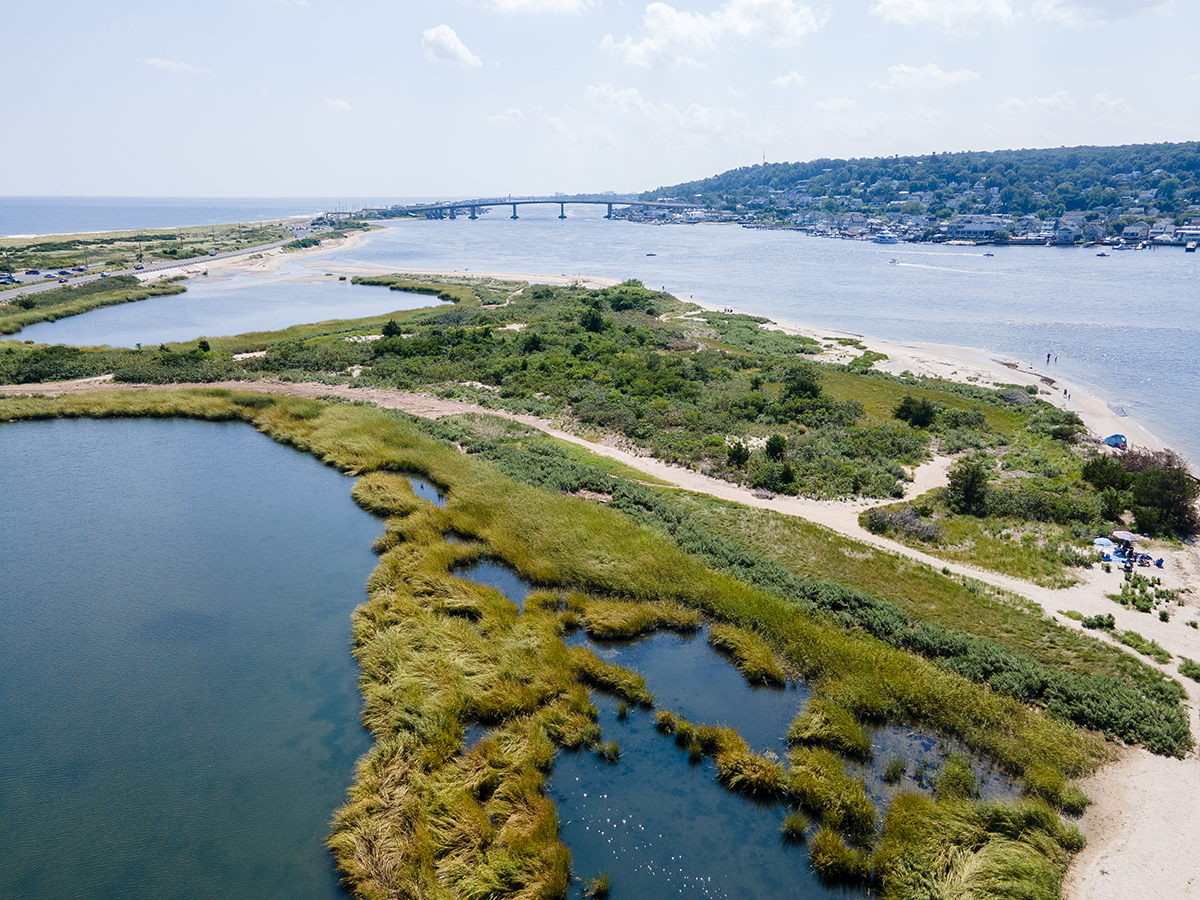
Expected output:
(452, 208)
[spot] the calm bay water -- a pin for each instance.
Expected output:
(223, 307)
(179, 713)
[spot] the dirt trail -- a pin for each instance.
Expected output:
(1144, 825)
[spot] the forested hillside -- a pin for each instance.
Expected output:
(1042, 182)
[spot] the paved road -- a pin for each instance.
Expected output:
(36, 287)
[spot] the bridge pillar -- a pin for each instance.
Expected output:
(474, 215)
(514, 215)
(609, 215)
(562, 210)
(453, 213)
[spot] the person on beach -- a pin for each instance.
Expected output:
(1047, 358)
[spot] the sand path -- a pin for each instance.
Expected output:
(1144, 825)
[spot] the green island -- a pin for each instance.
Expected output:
(878, 637)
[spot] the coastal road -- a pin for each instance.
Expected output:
(37, 287)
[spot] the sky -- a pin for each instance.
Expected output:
(468, 98)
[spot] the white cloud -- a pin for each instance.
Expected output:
(694, 118)
(1060, 102)
(339, 105)
(1082, 13)
(170, 65)
(836, 104)
(930, 76)
(554, 7)
(792, 78)
(673, 38)
(561, 127)
(1117, 107)
(509, 115)
(956, 17)
(442, 45)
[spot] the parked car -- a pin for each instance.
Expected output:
(63, 272)
(48, 275)
(62, 281)
(103, 274)
(139, 266)
(32, 272)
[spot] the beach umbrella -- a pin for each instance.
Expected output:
(1102, 542)
(1126, 536)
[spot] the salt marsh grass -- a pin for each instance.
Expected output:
(750, 653)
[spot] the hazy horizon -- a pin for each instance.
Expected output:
(307, 98)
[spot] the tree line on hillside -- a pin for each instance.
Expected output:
(1045, 182)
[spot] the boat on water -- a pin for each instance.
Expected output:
(1190, 247)
(1102, 253)
(989, 253)
(892, 262)
(652, 254)
(885, 237)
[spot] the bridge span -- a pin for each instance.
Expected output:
(452, 208)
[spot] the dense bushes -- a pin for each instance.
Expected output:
(1154, 485)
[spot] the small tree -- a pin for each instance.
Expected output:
(739, 455)
(802, 381)
(391, 329)
(204, 346)
(917, 413)
(776, 446)
(968, 486)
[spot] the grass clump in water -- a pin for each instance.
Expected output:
(819, 783)
(895, 770)
(750, 653)
(614, 620)
(598, 887)
(825, 724)
(836, 862)
(794, 828)
(956, 780)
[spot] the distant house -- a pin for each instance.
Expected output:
(1162, 227)
(1074, 217)
(1095, 231)
(1067, 234)
(977, 227)
(1137, 231)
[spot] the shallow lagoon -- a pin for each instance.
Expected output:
(223, 307)
(658, 823)
(179, 712)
